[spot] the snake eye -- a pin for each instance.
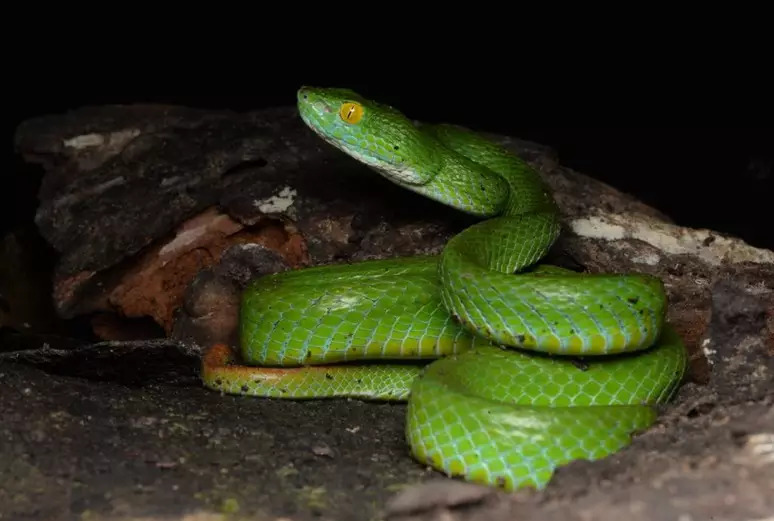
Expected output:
(351, 112)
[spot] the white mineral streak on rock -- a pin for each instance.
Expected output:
(85, 141)
(110, 139)
(277, 203)
(196, 230)
(707, 245)
(90, 192)
(90, 151)
(709, 353)
(651, 259)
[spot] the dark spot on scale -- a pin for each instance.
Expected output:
(218, 381)
(328, 376)
(308, 354)
(359, 380)
(572, 331)
(283, 390)
(483, 188)
(633, 300)
(580, 364)
(520, 338)
(642, 312)
(396, 147)
(245, 388)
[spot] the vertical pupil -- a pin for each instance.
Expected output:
(351, 111)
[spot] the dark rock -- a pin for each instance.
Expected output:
(134, 363)
(436, 498)
(157, 212)
(211, 307)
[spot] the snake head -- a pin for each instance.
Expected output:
(371, 132)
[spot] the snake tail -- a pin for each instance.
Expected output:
(384, 382)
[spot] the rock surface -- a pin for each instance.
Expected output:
(166, 212)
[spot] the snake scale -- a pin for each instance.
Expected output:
(510, 368)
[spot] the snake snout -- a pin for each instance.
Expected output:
(304, 92)
(309, 98)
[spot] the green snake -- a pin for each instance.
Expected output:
(510, 367)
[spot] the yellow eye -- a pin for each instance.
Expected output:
(351, 112)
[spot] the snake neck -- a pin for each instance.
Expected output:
(522, 190)
(523, 216)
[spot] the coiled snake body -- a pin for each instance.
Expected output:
(504, 400)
